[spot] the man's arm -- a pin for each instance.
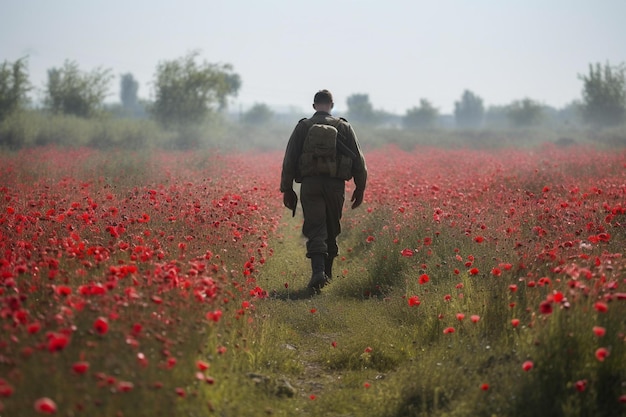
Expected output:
(290, 161)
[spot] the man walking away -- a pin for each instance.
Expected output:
(323, 153)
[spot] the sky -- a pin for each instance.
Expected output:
(395, 51)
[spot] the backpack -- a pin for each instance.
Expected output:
(319, 153)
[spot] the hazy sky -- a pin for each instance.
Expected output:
(284, 50)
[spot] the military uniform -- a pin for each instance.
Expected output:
(322, 197)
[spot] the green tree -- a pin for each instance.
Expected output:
(422, 117)
(72, 91)
(259, 114)
(128, 91)
(14, 87)
(360, 109)
(188, 91)
(469, 112)
(524, 113)
(604, 95)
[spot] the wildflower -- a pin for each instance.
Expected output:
(515, 322)
(407, 253)
(474, 271)
(581, 385)
(101, 325)
(448, 330)
(125, 386)
(599, 331)
(475, 318)
(602, 353)
(484, 387)
(527, 366)
(202, 365)
(601, 307)
(460, 316)
(80, 367)
(414, 301)
(57, 341)
(370, 239)
(545, 307)
(423, 279)
(45, 405)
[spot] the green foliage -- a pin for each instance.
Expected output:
(187, 91)
(524, 113)
(259, 114)
(604, 95)
(14, 87)
(33, 128)
(74, 92)
(360, 109)
(469, 111)
(128, 94)
(422, 117)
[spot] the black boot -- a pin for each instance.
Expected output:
(318, 276)
(328, 267)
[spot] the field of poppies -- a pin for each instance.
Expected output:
(470, 283)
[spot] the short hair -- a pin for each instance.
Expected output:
(323, 97)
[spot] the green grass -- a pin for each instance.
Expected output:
(364, 353)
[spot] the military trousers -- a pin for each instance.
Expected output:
(322, 201)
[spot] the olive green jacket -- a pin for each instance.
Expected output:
(346, 134)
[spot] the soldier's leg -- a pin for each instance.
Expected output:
(314, 229)
(314, 210)
(335, 197)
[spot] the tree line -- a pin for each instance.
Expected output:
(188, 91)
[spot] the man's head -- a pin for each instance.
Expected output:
(323, 101)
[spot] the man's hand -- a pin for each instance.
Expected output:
(357, 198)
(290, 200)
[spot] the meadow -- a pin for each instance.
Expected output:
(170, 283)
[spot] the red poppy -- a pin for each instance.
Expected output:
(515, 322)
(101, 325)
(448, 330)
(125, 386)
(527, 366)
(414, 301)
(602, 353)
(474, 271)
(599, 331)
(45, 405)
(601, 307)
(545, 307)
(423, 279)
(407, 253)
(57, 341)
(202, 365)
(80, 367)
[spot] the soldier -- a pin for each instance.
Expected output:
(323, 153)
